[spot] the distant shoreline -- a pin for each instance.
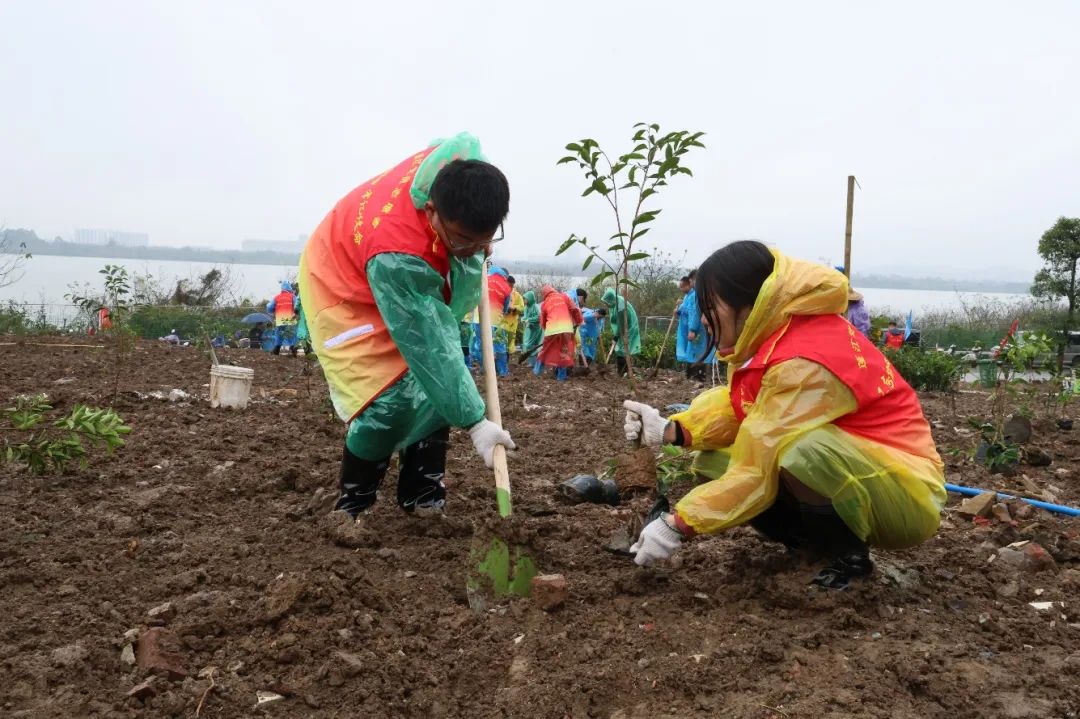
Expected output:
(59, 248)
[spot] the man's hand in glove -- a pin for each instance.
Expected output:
(485, 435)
(644, 421)
(658, 540)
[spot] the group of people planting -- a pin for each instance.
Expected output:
(816, 441)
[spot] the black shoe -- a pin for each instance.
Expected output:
(849, 557)
(842, 570)
(359, 482)
(423, 466)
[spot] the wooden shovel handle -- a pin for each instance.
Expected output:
(491, 392)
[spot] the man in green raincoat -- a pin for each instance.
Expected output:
(385, 279)
(616, 303)
(532, 333)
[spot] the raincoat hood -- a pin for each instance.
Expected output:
(286, 286)
(795, 287)
(530, 298)
(547, 290)
(495, 270)
(609, 297)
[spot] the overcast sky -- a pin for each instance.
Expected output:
(206, 123)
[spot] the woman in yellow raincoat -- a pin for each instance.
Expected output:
(817, 442)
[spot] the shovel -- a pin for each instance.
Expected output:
(494, 559)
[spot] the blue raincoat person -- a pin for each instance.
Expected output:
(696, 338)
(590, 330)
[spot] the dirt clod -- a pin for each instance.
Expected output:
(549, 591)
(159, 652)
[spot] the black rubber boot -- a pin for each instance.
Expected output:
(277, 350)
(360, 480)
(781, 523)
(423, 466)
(849, 557)
(620, 365)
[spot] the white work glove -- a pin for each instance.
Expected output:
(658, 540)
(643, 418)
(485, 435)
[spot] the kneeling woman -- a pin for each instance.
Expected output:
(817, 443)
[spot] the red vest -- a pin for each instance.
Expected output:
(283, 307)
(894, 341)
(358, 355)
(888, 410)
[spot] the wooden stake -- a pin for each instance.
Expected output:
(660, 354)
(847, 228)
(491, 391)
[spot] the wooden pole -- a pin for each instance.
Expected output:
(847, 228)
(491, 390)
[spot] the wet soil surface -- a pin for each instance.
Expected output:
(206, 547)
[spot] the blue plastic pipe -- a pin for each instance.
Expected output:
(1059, 508)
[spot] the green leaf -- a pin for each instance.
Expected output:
(638, 233)
(570, 242)
(644, 217)
(600, 277)
(574, 147)
(637, 256)
(616, 248)
(569, 158)
(588, 261)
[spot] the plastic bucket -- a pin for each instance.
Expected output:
(988, 373)
(230, 386)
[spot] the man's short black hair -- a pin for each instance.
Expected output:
(472, 192)
(581, 292)
(510, 279)
(892, 322)
(685, 279)
(602, 311)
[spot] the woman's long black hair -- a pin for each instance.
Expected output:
(733, 273)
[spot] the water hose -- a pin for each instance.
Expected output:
(1059, 508)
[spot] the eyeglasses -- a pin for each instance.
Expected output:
(460, 242)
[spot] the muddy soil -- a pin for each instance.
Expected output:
(222, 515)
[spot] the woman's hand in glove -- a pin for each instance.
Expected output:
(645, 422)
(485, 436)
(658, 540)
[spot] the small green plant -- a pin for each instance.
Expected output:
(926, 369)
(655, 159)
(118, 303)
(672, 467)
(44, 446)
(999, 454)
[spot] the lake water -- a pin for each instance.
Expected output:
(46, 279)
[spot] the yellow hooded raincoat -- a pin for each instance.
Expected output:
(888, 497)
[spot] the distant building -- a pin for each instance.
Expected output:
(93, 236)
(283, 246)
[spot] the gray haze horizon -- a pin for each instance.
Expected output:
(206, 124)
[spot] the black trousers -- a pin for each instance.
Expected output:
(420, 481)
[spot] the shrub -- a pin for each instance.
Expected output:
(651, 340)
(926, 370)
